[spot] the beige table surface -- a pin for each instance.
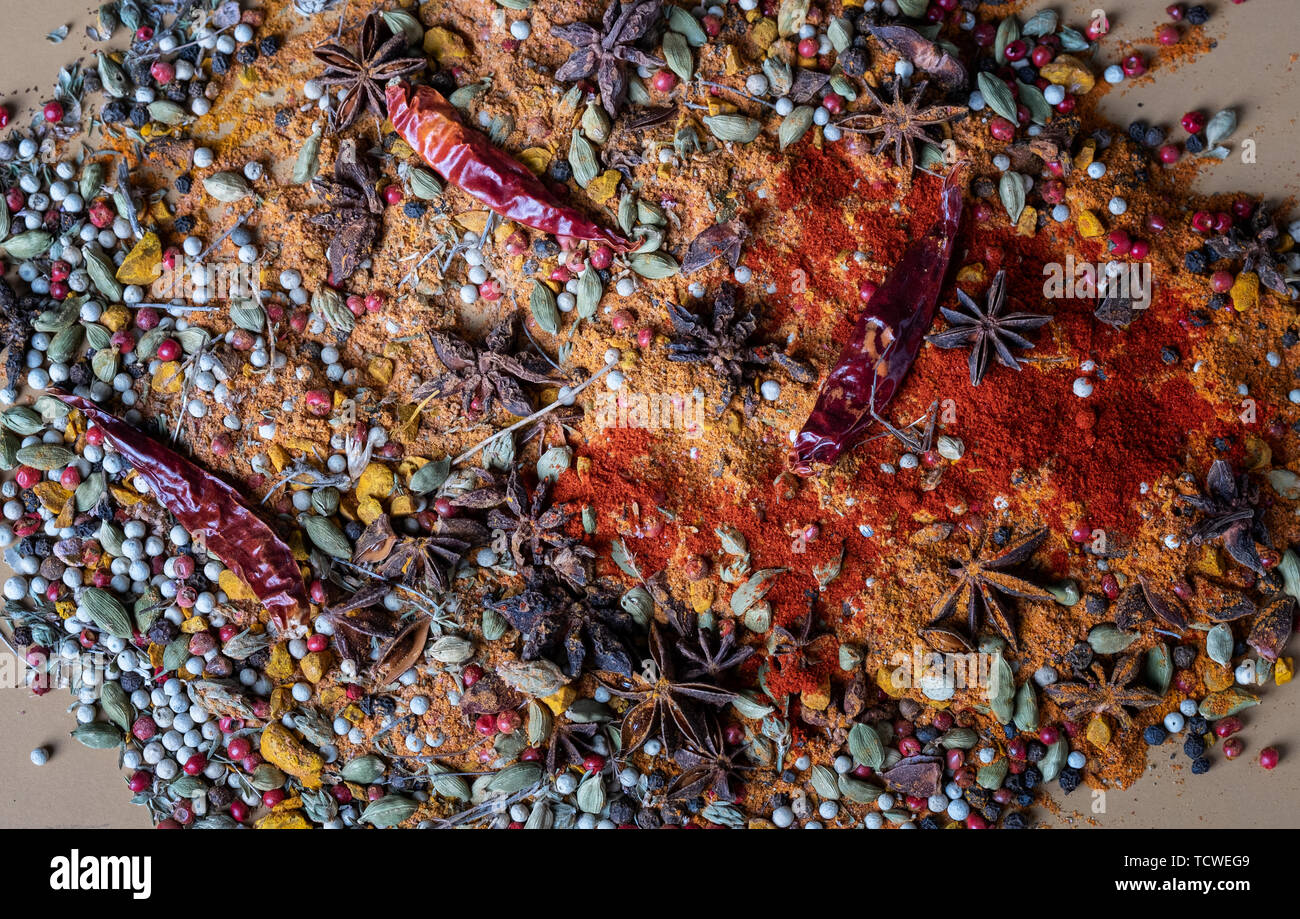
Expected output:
(1253, 69)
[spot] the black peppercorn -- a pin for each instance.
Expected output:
(183, 184)
(414, 209)
(247, 54)
(1194, 746)
(139, 115)
(1154, 137)
(1200, 766)
(1155, 735)
(1194, 143)
(1169, 354)
(560, 170)
(269, 45)
(1015, 821)
(220, 63)
(183, 224)
(114, 111)
(1070, 779)
(1197, 15)
(1197, 261)
(1137, 131)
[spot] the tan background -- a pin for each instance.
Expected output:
(1252, 69)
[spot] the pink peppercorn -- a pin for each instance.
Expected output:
(1155, 223)
(833, 103)
(1169, 154)
(664, 81)
(486, 725)
(1202, 222)
(807, 48)
(1222, 222)
(1134, 65)
(1233, 747)
(1226, 727)
(1221, 281)
(1141, 249)
(147, 318)
(621, 320)
(1016, 50)
(1268, 757)
(1168, 35)
(1042, 55)
(1002, 129)
(393, 194)
(645, 337)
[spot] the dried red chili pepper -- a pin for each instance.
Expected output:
(884, 344)
(209, 508)
(468, 160)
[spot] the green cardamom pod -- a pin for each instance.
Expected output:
(582, 157)
(545, 310)
(737, 129)
(326, 536)
(28, 245)
(112, 76)
(333, 309)
(46, 457)
(424, 184)
(64, 346)
(102, 271)
(227, 187)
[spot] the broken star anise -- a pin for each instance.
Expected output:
(721, 340)
(380, 57)
(708, 768)
(354, 211)
(423, 562)
(901, 123)
(533, 528)
(482, 377)
(609, 51)
(988, 331)
(1256, 249)
(1231, 512)
(576, 630)
(662, 702)
(1098, 695)
(976, 598)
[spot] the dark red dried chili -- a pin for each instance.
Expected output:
(467, 159)
(884, 344)
(211, 510)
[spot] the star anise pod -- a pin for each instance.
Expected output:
(710, 767)
(663, 702)
(1231, 512)
(976, 598)
(987, 331)
(901, 123)
(482, 377)
(363, 72)
(423, 562)
(1256, 250)
(568, 743)
(721, 340)
(354, 211)
(1142, 601)
(609, 51)
(534, 529)
(1098, 695)
(577, 631)
(704, 654)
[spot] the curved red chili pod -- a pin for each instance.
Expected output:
(468, 160)
(884, 344)
(208, 507)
